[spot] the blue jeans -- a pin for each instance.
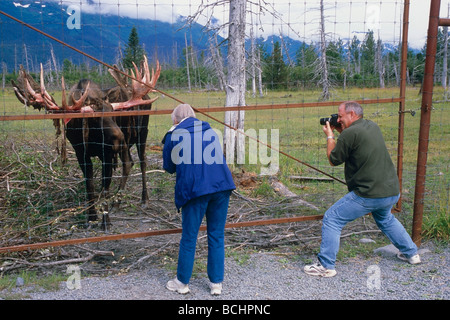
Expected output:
(215, 207)
(352, 206)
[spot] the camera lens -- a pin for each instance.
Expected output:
(323, 121)
(333, 120)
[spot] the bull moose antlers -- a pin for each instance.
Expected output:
(37, 96)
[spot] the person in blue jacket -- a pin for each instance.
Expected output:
(203, 187)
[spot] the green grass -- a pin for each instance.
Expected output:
(31, 279)
(300, 136)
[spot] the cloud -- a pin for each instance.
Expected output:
(137, 9)
(297, 19)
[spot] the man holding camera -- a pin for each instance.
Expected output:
(372, 184)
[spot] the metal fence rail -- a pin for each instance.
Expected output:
(422, 148)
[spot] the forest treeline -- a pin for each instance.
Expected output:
(354, 63)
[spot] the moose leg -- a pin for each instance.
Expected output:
(125, 157)
(140, 145)
(88, 172)
(107, 166)
(124, 154)
(90, 190)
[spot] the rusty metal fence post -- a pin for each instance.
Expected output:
(423, 135)
(425, 118)
(401, 111)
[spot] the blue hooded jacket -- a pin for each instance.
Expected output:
(192, 149)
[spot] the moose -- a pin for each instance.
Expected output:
(102, 137)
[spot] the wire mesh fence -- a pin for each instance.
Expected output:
(302, 59)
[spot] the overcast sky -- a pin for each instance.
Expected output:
(296, 18)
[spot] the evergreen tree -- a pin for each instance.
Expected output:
(336, 63)
(275, 72)
(134, 52)
(368, 56)
(306, 61)
(355, 56)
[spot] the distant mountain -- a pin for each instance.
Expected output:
(289, 46)
(99, 35)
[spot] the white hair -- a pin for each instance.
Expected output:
(181, 112)
(355, 107)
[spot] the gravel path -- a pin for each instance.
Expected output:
(269, 276)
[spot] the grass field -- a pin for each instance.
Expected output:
(32, 144)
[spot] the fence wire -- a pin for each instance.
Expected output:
(43, 200)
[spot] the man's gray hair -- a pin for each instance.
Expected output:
(182, 111)
(354, 106)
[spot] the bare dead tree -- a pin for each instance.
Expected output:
(187, 62)
(235, 78)
(235, 87)
(253, 60)
(324, 81)
(379, 62)
(259, 72)
(217, 62)
(444, 61)
(235, 83)
(4, 71)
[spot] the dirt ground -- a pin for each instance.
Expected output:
(256, 198)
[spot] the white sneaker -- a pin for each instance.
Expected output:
(318, 270)
(415, 259)
(216, 288)
(178, 286)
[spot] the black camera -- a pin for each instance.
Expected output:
(333, 120)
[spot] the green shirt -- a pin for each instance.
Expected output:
(369, 170)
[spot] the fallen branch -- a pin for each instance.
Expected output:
(281, 189)
(21, 263)
(301, 178)
(144, 258)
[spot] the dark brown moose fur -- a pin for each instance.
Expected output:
(102, 137)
